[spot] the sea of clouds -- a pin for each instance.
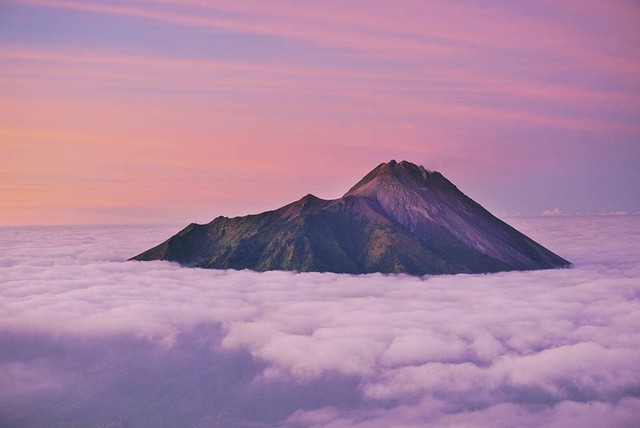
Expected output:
(87, 339)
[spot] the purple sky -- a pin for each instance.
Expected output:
(179, 111)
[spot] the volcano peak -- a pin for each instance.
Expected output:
(391, 177)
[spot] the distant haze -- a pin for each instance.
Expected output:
(90, 340)
(180, 111)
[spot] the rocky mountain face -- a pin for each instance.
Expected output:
(400, 218)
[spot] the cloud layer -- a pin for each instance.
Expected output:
(93, 340)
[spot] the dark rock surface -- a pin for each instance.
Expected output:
(400, 218)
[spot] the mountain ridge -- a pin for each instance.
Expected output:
(399, 218)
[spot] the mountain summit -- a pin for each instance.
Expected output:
(400, 218)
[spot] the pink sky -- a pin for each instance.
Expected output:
(179, 111)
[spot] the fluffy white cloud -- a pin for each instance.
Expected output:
(553, 212)
(544, 348)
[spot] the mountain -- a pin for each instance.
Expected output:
(400, 218)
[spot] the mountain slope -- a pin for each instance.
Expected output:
(400, 218)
